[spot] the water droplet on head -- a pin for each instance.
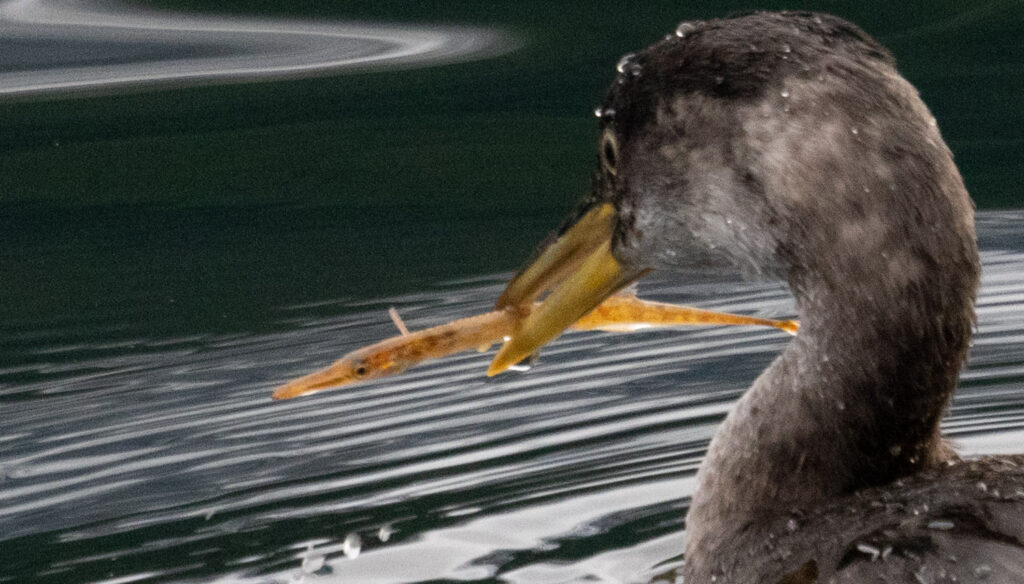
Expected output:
(855, 131)
(685, 28)
(624, 62)
(785, 93)
(817, 20)
(869, 550)
(792, 525)
(787, 49)
(982, 487)
(599, 112)
(352, 546)
(385, 533)
(983, 571)
(940, 525)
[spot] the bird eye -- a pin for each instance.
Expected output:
(610, 152)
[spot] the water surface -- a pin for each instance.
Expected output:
(171, 248)
(164, 459)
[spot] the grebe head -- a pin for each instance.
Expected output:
(781, 144)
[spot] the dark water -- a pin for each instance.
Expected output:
(162, 458)
(173, 248)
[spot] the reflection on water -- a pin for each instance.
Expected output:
(173, 463)
(53, 46)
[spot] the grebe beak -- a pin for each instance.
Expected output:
(581, 268)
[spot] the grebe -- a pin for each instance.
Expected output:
(787, 145)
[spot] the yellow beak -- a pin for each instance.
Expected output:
(581, 259)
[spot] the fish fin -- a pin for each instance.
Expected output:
(399, 323)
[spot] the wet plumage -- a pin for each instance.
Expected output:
(787, 145)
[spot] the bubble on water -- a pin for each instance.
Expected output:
(312, 560)
(352, 546)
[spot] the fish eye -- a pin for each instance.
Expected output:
(610, 152)
(360, 370)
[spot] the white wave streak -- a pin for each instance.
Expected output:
(137, 47)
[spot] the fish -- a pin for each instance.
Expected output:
(392, 356)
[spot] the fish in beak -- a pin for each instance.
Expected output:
(582, 271)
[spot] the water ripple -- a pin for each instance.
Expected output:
(49, 46)
(173, 464)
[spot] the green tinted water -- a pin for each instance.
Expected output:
(166, 256)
